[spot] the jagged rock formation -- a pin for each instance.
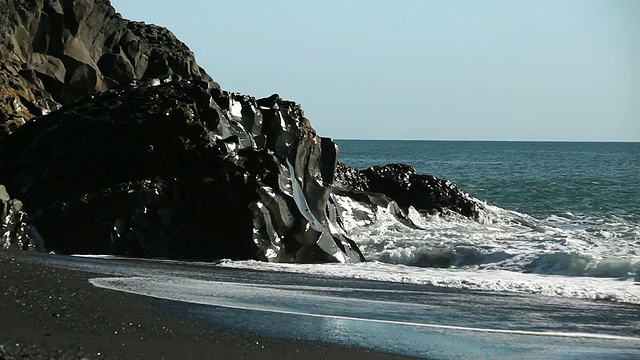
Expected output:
(104, 162)
(13, 225)
(67, 49)
(401, 183)
(178, 170)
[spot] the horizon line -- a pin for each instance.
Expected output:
(486, 140)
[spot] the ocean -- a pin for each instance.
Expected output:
(540, 179)
(562, 219)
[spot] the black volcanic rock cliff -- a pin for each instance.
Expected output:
(114, 141)
(178, 170)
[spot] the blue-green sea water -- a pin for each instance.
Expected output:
(537, 178)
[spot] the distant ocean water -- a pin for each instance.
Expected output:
(562, 219)
(540, 179)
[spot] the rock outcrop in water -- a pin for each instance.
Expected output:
(117, 142)
(401, 183)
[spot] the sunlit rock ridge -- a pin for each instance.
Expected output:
(114, 141)
(56, 52)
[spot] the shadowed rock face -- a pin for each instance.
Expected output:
(63, 50)
(178, 170)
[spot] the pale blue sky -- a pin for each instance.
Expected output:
(423, 69)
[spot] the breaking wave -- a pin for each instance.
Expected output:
(498, 239)
(600, 289)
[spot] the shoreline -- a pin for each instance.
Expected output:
(41, 322)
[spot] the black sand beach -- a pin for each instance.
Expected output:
(53, 313)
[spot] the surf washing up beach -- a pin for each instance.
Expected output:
(549, 270)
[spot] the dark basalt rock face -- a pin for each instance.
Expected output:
(59, 51)
(401, 183)
(178, 170)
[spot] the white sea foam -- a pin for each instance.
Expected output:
(498, 240)
(623, 291)
(568, 256)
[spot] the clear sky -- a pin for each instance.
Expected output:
(425, 69)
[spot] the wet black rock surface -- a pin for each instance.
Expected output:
(13, 223)
(401, 183)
